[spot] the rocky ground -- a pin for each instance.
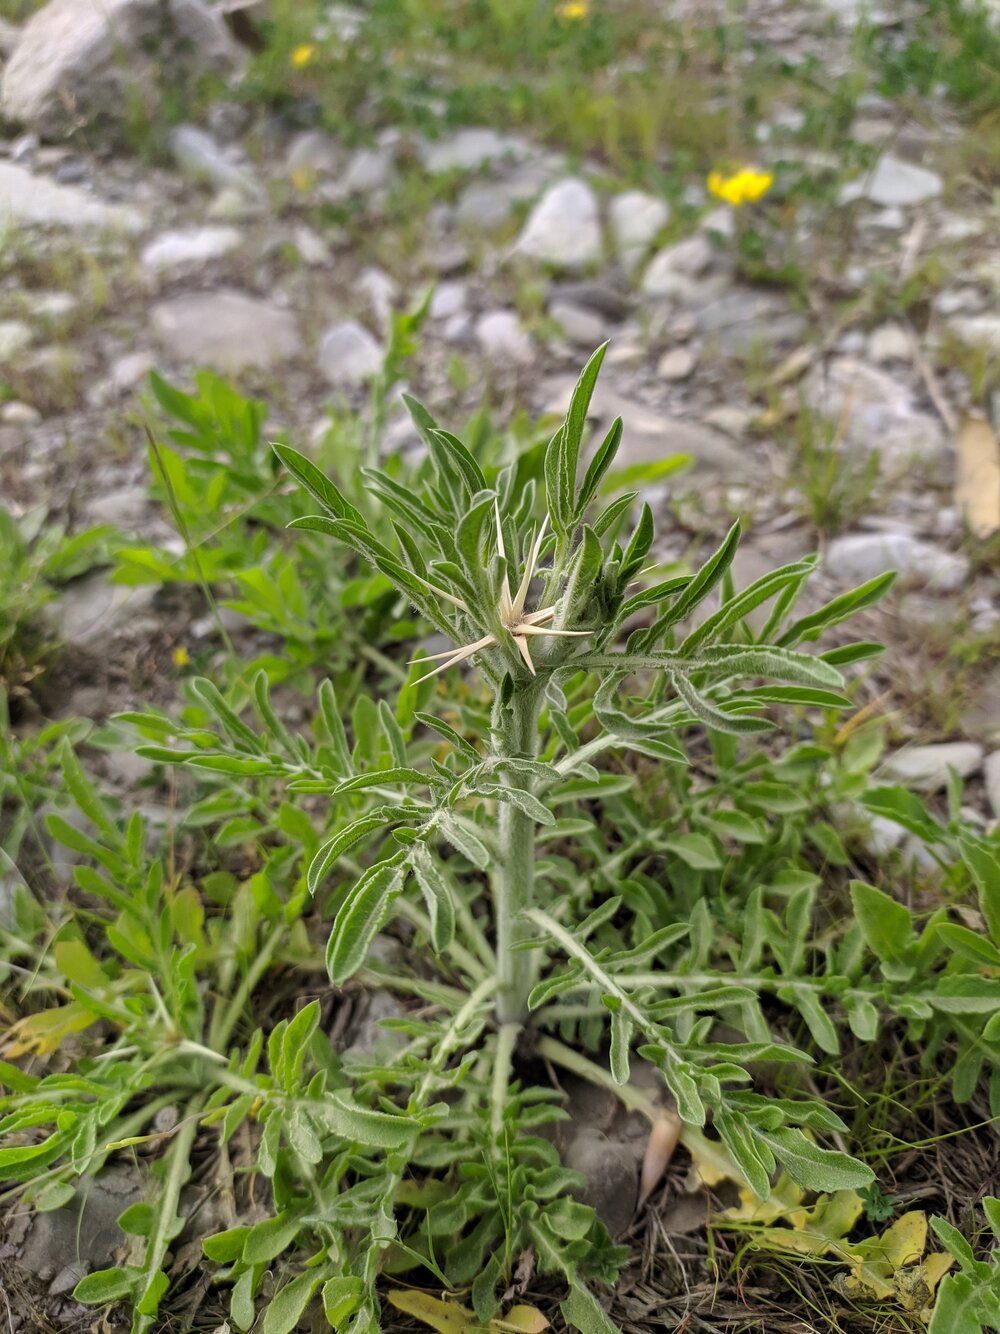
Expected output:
(275, 254)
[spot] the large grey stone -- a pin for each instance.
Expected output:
(470, 149)
(673, 272)
(202, 159)
(226, 330)
(174, 251)
(31, 200)
(874, 412)
(894, 183)
(92, 609)
(82, 1235)
(15, 336)
(503, 340)
(650, 435)
(80, 59)
(636, 218)
(563, 229)
(743, 318)
(349, 355)
(978, 331)
(926, 768)
(856, 557)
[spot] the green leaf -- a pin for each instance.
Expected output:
(957, 1308)
(462, 836)
(582, 1312)
(698, 588)
(621, 1037)
(104, 1286)
(331, 851)
(563, 453)
(985, 870)
(360, 918)
(376, 1130)
(264, 1241)
(812, 626)
(812, 1167)
(342, 1297)
(288, 1304)
(886, 925)
(437, 897)
(599, 464)
(970, 944)
(695, 850)
(317, 484)
(966, 994)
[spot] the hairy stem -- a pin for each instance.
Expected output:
(515, 733)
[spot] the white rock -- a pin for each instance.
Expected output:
(856, 557)
(226, 330)
(925, 768)
(502, 339)
(129, 370)
(312, 153)
(894, 183)
(77, 59)
(369, 169)
(874, 412)
(187, 248)
(470, 149)
(889, 342)
(381, 291)
(202, 159)
(36, 200)
(579, 325)
(312, 249)
(676, 364)
(672, 271)
(15, 336)
(636, 218)
(449, 299)
(348, 355)
(17, 413)
(991, 775)
(979, 331)
(563, 229)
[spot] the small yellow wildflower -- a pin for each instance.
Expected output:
(181, 656)
(573, 10)
(302, 55)
(746, 186)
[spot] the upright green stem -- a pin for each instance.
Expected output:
(516, 730)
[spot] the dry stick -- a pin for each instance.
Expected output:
(932, 384)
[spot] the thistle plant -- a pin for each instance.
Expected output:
(566, 888)
(461, 544)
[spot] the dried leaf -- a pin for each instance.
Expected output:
(977, 480)
(660, 1149)
(449, 1318)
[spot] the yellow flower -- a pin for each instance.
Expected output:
(302, 55)
(181, 656)
(573, 9)
(745, 186)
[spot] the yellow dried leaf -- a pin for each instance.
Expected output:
(977, 476)
(445, 1317)
(449, 1318)
(43, 1032)
(521, 1320)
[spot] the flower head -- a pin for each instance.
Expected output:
(302, 55)
(573, 10)
(181, 657)
(521, 624)
(745, 186)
